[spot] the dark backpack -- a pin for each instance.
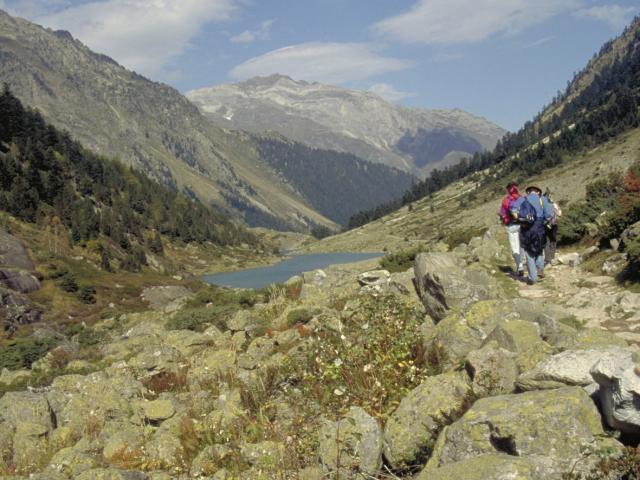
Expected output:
(526, 214)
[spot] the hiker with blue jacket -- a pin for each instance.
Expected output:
(533, 212)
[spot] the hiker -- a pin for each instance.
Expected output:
(533, 211)
(512, 226)
(552, 230)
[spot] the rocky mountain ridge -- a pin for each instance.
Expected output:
(362, 123)
(145, 124)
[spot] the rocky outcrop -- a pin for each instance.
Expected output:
(568, 368)
(531, 425)
(412, 430)
(619, 380)
(443, 284)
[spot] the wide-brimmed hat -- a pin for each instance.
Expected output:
(533, 188)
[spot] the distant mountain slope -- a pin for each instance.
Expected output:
(147, 125)
(47, 178)
(602, 102)
(336, 184)
(360, 123)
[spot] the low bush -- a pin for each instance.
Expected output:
(459, 236)
(198, 318)
(400, 261)
(299, 316)
(87, 294)
(68, 283)
(22, 353)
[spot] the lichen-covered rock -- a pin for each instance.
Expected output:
(493, 370)
(265, 454)
(412, 429)
(619, 392)
(227, 408)
(590, 338)
(557, 424)
(111, 474)
(492, 467)
(158, 410)
(259, 350)
(460, 333)
(522, 338)
(443, 284)
(72, 462)
(86, 402)
(568, 368)
(210, 364)
(209, 459)
(354, 444)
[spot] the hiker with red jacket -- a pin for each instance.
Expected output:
(512, 226)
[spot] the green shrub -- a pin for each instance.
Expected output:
(215, 295)
(23, 352)
(68, 283)
(198, 318)
(87, 294)
(400, 261)
(459, 236)
(300, 316)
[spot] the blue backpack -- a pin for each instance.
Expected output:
(526, 214)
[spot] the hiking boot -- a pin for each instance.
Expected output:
(530, 282)
(540, 274)
(521, 273)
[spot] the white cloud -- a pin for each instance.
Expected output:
(33, 8)
(333, 63)
(141, 34)
(468, 21)
(540, 41)
(250, 36)
(388, 92)
(615, 15)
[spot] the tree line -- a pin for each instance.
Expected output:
(45, 175)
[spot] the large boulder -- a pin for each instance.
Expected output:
(630, 234)
(492, 467)
(12, 253)
(619, 392)
(556, 424)
(568, 368)
(19, 280)
(352, 445)
(412, 429)
(443, 283)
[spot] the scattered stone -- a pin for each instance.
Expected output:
(571, 259)
(589, 252)
(413, 428)
(14, 377)
(614, 264)
(160, 297)
(354, 444)
(158, 410)
(619, 392)
(615, 244)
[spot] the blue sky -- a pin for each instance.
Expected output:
(501, 59)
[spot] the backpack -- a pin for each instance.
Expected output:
(526, 214)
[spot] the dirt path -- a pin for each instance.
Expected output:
(597, 301)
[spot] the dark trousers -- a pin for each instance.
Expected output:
(550, 247)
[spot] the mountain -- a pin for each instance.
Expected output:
(361, 123)
(600, 103)
(147, 125)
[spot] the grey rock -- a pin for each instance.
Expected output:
(614, 264)
(619, 393)
(568, 368)
(493, 370)
(412, 429)
(356, 441)
(571, 259)
(531, 424)
(443, 284)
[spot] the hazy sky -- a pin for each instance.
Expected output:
(502, 59)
